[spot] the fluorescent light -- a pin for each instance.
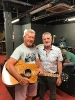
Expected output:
(16, 20)
(40, 9)
(71, 19)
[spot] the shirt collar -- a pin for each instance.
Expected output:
(50, 48)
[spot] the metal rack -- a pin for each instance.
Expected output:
(2, 47)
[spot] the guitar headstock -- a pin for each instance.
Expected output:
(64, 77)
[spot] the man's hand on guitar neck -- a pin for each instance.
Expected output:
(40, 71)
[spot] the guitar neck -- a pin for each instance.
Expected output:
(51, 74)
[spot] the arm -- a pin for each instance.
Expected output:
(40, 67)
(68, 57)
(60, 72)
(10, 67)
(67, 61)
(60, 67)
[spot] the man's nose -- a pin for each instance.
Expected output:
(46, 40)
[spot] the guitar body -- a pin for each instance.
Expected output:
(26, 70)
(20, 67)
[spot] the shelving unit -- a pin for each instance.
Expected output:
(2, 47)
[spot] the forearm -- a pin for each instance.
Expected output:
(67, 61)
(12, 70)
(60, 68)
(59, 80)
(38, 63)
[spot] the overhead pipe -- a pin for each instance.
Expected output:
(36, 7)
(33, 8)
(19, 2)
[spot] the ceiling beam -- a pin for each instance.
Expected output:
(19, 2)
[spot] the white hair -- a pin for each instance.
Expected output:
(64, 50)
(46, 33)
(28, 30)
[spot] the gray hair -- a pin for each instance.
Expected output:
(64, 50)
(28, 30)
(46, 33)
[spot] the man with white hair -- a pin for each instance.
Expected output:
(51, 59)
(69, 58)
(27, 53)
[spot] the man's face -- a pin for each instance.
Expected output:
(63, 53)
(29, 39)
(47, 39)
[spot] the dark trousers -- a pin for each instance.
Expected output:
(47, 83)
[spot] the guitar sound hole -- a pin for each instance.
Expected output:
(28, 73)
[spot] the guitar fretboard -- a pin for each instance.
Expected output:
(51, 74)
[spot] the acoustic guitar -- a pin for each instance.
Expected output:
(24, 69)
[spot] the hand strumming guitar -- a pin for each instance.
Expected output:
(24, 81)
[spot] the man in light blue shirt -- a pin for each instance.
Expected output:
(51, 59)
